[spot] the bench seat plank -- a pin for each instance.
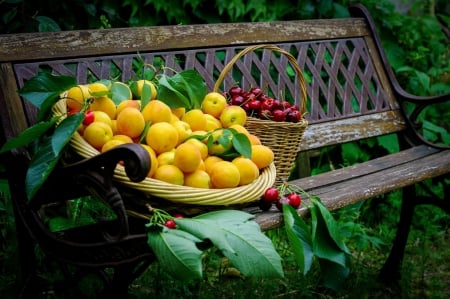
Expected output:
(348, 185)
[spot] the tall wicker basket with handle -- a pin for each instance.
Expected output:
(284, 137)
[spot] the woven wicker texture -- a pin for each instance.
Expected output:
(283, 138)
(180, 194)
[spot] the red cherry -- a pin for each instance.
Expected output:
(279, 115)
(254, 104)
(277, 104)
(237, 100)
(88, 118)
(256, 91)
(267, 104)
(293, 116)
(170, 224)
(235, 90)
(271, 195)
(178, 215)
(294, 200)
(265, 114)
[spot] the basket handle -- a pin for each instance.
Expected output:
(289, 56)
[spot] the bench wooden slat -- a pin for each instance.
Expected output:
(349, 185)
(29, 46)
(335, 132)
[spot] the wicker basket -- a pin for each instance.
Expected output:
(175, 193)
(282, 137)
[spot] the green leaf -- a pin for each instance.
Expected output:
(44, 89)
(170, 94)
(49, 152)
(242, 145)
(29, 135)
(176, 252)
(184, 89)
(239, 239)
(333, 274)
(120, 92)
(300, 239)
(327, 243)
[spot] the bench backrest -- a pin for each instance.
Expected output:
(349, 92)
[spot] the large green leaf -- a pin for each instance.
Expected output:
(44, 89)
(333, 275)
(49, 152)
(176, 252)
(327, 242)
(184, 89)
(29, 135)
(299, 236)
(239, 239)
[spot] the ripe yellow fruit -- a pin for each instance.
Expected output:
(178, 112)
(210, 161)
(140, 85)
(97, 134)
(196, 119)
(162, 137)
(214, 103)
(183, 129)
(153, 160)
(103, 117)
(247, 169)
(97, 89)
(122, 137)
(114, 126)
(202, 147)
(130, 122)
(110, 144)
(198, 179)
(105, 104)
(212, 123)
(169, 174)
(187, 157)
(224, 174)
(233, 115)
(166, 158)
(262, 155)
(76, 96)
(240, 129)
(254, 139)
(157, 111)
(128, 103)
(219, 144)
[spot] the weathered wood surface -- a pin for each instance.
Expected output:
(349, 185)
(29, 46)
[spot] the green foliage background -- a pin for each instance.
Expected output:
(414, 41)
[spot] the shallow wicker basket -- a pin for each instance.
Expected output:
(283, 138)
(175, 193)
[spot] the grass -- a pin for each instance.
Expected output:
(368, 227)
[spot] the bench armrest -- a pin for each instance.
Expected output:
(94, 176)
(421, 102)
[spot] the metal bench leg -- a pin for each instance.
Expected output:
(390, 272)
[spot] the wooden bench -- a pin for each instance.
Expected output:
(352, 95)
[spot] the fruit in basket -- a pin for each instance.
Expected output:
(76, 96)
(247, 169)
(219, 142)
(259, 105)
(262, 155)
(213, 104)
(97, 134)
(187, 157)
(102, 117)
(153, 159)
(169, 174)
(138, 86)
(198, 179)
(105, 104)
(196, 119)
(232, 115)
(130, 122)
(225, 174)
(157, 111)
(162, 137)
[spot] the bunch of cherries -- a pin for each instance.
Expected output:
(284, 194)
(259, 105)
